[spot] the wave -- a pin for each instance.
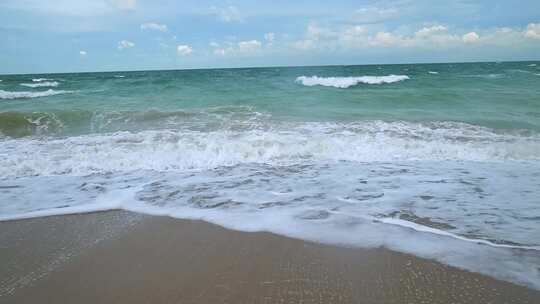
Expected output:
(41, 79)
(433, 73)
(288, 144)
(41, 84)
(518, 71)
(69, 122)
(346, 82)
(486, 76)
(16, 124)
(24, 94)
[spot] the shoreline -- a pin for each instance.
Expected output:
(122, 257)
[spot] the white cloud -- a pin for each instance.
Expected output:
(433, 36)
(125, 44)
(214, 44)
(82, 53)
(533, 31)
(124, 4)
(471, 37)
(184, 50)
(318, 37)
(315, 32)
(223, 52)
(356, 30)
(503, 37)
(374, 14)
(433, 30)
(249, 46)
(269, 37)
(347, 38)
(386, 39)
(228, 14)
(354, 34)
(154, 26)
(306, 44)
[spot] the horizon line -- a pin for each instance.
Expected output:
(266, 67)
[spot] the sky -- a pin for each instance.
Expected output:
(111, 35)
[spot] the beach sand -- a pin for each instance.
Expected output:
(121, 257)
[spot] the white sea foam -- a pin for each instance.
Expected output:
(24, 94)
(41, 79)
(422, 228)
(119, 76)
(346, 82)
(41, 84)
(433, 73)
(532, 65)
(182, 150)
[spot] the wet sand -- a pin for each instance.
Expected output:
(120, 257)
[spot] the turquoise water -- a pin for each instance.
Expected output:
(495, 95)
(437, 160)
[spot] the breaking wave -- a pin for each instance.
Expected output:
(165, 150)
(41, 84)
(25, 94)
(346, 82)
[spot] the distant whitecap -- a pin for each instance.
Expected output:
(41, 84)
(24, 94)
(346, 82)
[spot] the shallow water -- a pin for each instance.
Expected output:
(442, 161)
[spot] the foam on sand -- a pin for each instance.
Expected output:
(25, 94)
(346, 82)
(288, 201)
(422, 228)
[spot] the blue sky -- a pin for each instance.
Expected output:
(98, 35)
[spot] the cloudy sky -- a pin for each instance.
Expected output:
(101, 35)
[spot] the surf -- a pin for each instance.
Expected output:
(346, 82)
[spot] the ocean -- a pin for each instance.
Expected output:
(437, 160)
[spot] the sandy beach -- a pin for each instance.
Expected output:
(120, 257)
